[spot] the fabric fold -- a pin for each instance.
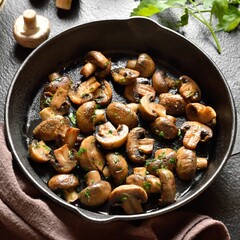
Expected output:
(28, 214)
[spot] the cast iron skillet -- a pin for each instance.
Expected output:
(130, 36)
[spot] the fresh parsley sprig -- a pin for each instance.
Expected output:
(226, 13)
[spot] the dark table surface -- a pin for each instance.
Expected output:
(222, 199)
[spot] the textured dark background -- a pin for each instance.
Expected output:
(222, 199)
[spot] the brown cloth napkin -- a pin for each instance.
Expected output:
(25, 213)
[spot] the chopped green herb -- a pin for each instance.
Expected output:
(81, 150)
(87, 193)
(161, 134)
(72, 117)
(147, 185)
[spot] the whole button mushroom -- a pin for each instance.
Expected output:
(30, 30)
(120, 113)
(67, 184)
(97, 191)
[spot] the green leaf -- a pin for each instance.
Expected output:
(219, 8)
(230, 20)
(208, 3)
(184, 18)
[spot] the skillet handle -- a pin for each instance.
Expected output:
(236, 147)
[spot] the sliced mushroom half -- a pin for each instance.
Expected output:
(124, 76)
(201, 113)
(195, 132)
(109, 137)
(138, 146)
(83, 92)
(130, 197)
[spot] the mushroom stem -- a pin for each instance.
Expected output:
(132, 205)
(202, 163)
(64, 4)
(30, 20)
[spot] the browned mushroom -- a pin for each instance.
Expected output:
(119, 113)
(97, 58)
(65, 159)
(138, 147)
(47, 113)
(164, 158)
(189, 89)
(67, 183)
(162, 83)
(124, 76)
(145, 65)
(39, 151)
(103, 95)
(195, 132)
(174, 103)
(149, 182)
(71, 136)
(109, 137)
(89, 155)
(88, 116)
(164, 127)
(168, 187)
(52, 128)
(130, 197)
(186, 163)
(118, 167)
(82, 93)
(149, 110)
(201, 113)
(135, 91)
(97, 191)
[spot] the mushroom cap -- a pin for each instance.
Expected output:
(30, 30)
(90, 157)
(186, 163)
(51, 128)
(164, 127)
(145, 65)
(174, 103)
(118, 167)
(103, 95)
(86, 117)
(130, 197)
(95, 194)
(119, 113)
(189, 89)
(109, 137)
(168, 187)
(63, 182)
